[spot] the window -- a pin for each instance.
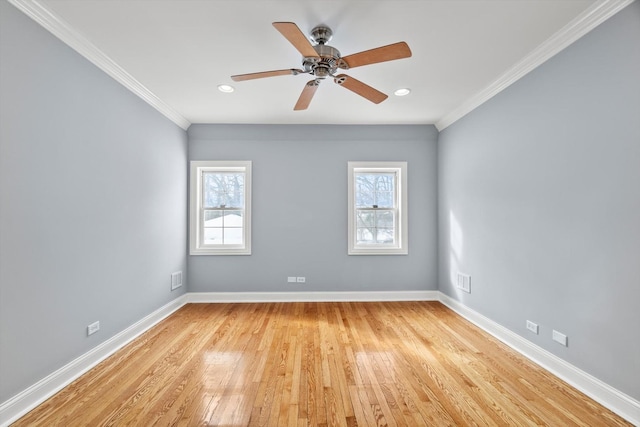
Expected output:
(377, 208)
(220, 208)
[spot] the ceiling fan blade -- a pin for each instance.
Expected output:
(360, 88)
(380, 54)
(296, 37)
(306, 96)
(263, 74)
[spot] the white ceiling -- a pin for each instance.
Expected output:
(174, 53)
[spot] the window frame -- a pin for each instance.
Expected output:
(196, 223)
(401, 217)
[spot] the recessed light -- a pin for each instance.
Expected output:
(402, 92)
(225, 88)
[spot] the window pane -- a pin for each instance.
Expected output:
(384, 219)
(384, 235)
(365, 190)
(364, 235)
(233, 219)
(375, 189)
(384, 199)
(232, 236)
(222, 227)
(385, 182)
(365, 218)
(213, 218)
(365, 198)
(223, 218)
(213, 236)
(366, 180)
(223, 188)
(373, 235)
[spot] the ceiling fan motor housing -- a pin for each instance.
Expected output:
(328, 60)
(325, 65)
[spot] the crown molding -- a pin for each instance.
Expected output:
(62, 30)
(581, 25)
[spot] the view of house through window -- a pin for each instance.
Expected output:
(220, 208)
(223, 207)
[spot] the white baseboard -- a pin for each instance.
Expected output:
(618, 402)
(28, 399)
(212, 297)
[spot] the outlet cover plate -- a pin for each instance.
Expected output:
(301, 279)
(559, 338)
(93, 328)
(533, 327)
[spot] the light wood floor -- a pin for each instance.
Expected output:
(318, 364)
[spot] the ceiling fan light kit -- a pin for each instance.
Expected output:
(322, 61)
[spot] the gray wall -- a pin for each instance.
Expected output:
(539, 200)
(92, 204)
(299, 213)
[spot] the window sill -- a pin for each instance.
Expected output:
(216, 251)
(378, 251)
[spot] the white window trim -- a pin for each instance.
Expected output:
(196, 247)
(401, 247)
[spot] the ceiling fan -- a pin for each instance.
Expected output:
(322, 61)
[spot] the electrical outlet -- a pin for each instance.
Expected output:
(301, 279)
(292, 279)
(93, 328)
(533, 327)
(176, 280)
(464, 282)
(559, 338)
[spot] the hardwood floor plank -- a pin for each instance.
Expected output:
(318, 364)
